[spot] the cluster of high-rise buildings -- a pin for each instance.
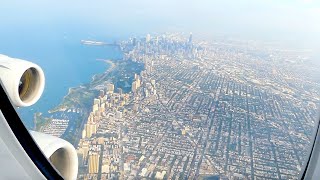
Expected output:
(200, 110)
(108, 99)
(136, 83)
(109, 105)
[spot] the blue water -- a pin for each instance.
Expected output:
(65, 61)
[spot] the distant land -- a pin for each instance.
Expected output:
(97, 43)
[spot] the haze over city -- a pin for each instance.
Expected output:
(291, 20)
(173, 89)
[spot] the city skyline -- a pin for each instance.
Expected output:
(183, 89)
(294, 21)
(199, 109)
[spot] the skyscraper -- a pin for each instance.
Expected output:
(148, 69)
(148, 38)
(118, 115)
(85, 149)
(96, 101)
(134, 86)
(95, 108)
(134, 41)
(110, 88)
(90, 129)
(153, 82)
(136, 76)
(101, 93)
(190, 38)
(138, 83)
(84, 133)
(119, 91)
(93, 163)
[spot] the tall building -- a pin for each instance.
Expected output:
(148, 69)
(93, 163)
(103, 105)
(148, 38)
(104, 99)
(85, 149)
(90, 129)
(134, 41)
(153, 82)
(95, 108)
(110, 88)
(134, 87)
(138, 83)
(118, 115)
(84, 133)
(136, 76)
(190, 38)
(146, 92)
(96, 102)
(135, 107)
(105, 169)
(119, 91)
(101, 93)
(91, 117)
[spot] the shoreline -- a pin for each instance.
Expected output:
(60, 108)
(110, 68)
(108, 61)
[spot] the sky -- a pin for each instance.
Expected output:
(293, 20)
(36, 28)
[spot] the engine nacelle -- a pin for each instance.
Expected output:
(24, 81)
(60, 153)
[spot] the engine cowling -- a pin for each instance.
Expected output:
(60, 153)
(24, 84)
(24, 81)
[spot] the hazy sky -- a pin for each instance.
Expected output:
(288, 19)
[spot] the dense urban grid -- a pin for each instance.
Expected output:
(227, 109)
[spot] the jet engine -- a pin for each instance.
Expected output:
(24, 81)
(61, 154)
